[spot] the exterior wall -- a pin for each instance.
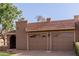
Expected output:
(76, 18)
(62, 40)
(8, 41)
(57, 40)
(21, 35)
(77, 31)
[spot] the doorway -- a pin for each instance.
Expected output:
(13, 42)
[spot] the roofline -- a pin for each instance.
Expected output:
(42, 31)
(51, 21)
(11, 33)
(50, 30)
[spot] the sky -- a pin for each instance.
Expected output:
(57, 11)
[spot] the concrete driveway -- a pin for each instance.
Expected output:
(45, 53)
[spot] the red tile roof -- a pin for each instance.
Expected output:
(52, 25)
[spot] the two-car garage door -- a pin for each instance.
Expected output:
(60, 40)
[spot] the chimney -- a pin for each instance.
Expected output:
(48, 19)
(76, 17)
(22, 21)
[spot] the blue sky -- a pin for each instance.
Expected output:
(57, 11)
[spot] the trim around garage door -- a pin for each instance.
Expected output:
(27, 42)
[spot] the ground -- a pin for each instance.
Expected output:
(43, 53)
(46, 53)
(14, 52)
(6, 54)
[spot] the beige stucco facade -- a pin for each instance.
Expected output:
(44, 40)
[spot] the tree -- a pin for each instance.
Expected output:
(8, 13)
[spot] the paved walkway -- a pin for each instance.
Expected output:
(45, 53)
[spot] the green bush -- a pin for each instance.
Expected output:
(76, 47)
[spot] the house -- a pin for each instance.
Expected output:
(48, 35)
(2, 41)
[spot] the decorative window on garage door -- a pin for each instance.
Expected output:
(33, 36)
(43, 35)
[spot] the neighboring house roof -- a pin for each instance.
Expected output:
(52, 25)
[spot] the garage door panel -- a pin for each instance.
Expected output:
(39, 42)
(63, 41)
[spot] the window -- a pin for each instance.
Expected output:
(43, 36)
(33, 36)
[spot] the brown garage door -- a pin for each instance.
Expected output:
(37, 41)
(62, 40)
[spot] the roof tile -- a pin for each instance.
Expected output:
(53, 25)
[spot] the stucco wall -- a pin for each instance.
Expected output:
(8, 41)
(21, 42)
(76, 18)
(77, 31)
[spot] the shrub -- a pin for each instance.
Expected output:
(76, 48)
